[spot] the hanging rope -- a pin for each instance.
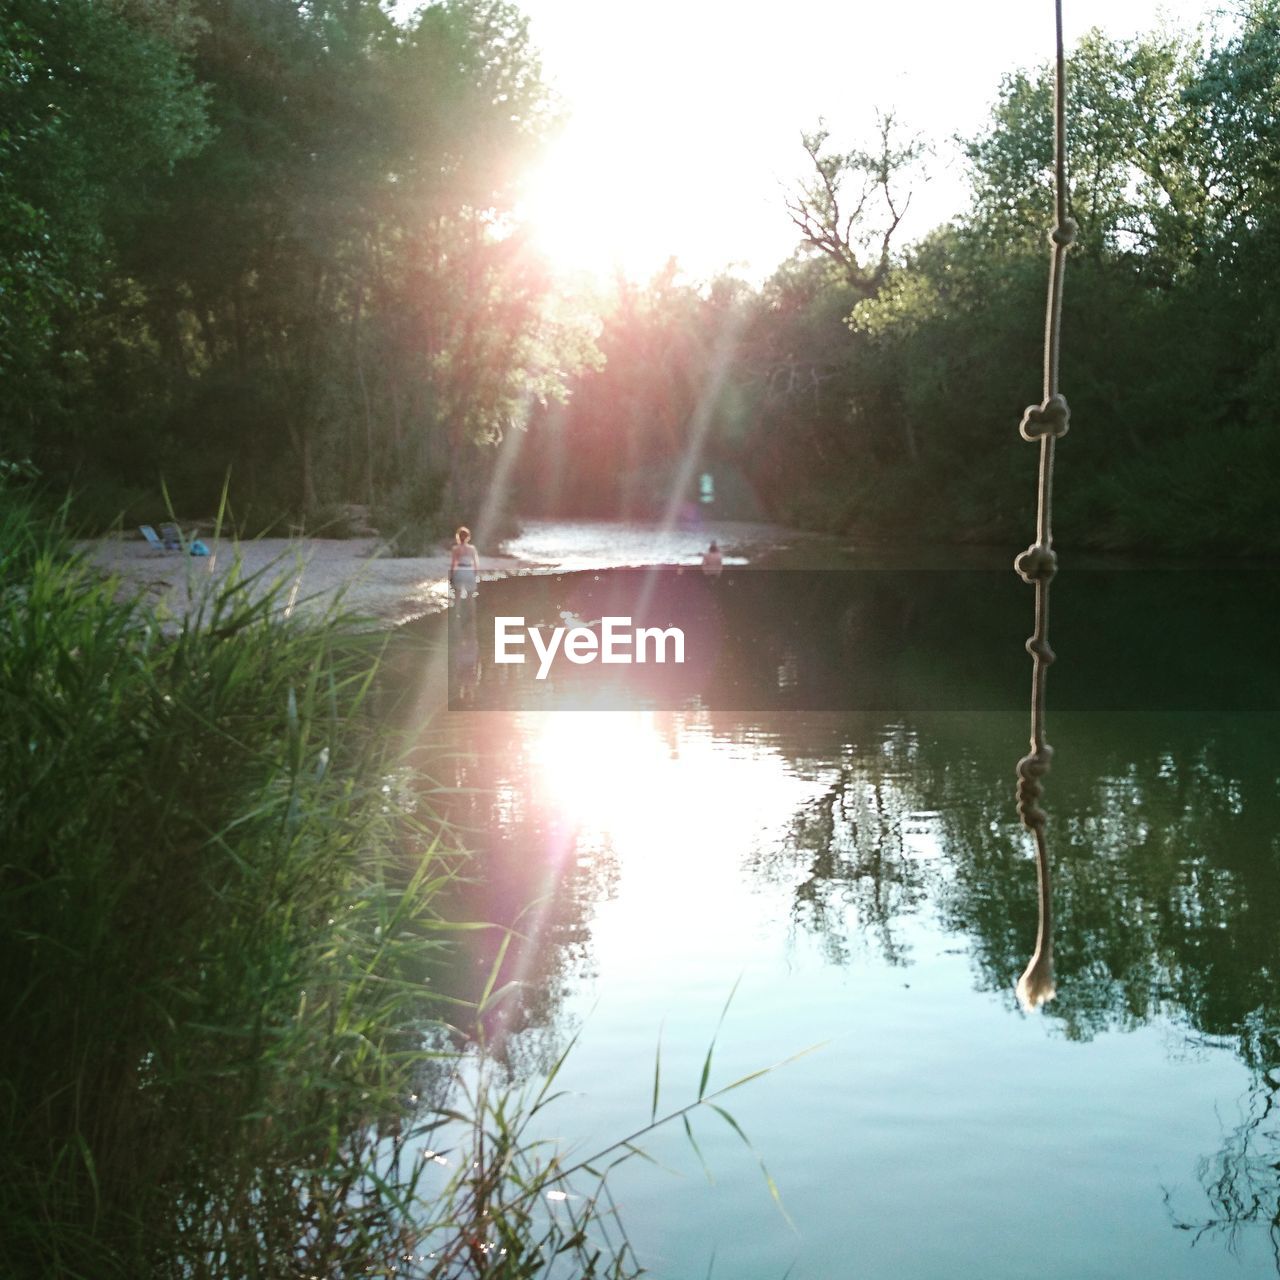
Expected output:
(1046, 422)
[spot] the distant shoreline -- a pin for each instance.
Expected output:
(398, 589)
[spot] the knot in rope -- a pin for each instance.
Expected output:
(1031, 814)
(1031, 768)
(1064, 234)
(1037, 563)
(1039, 648)
(1051, 418)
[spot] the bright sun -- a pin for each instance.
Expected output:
(587, 213)
(600, 204)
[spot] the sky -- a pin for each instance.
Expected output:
(685, 115)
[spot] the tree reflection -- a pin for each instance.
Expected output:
(1242, 1181)
(1166, 890)
(858, 876)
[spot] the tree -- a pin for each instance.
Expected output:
(321, 284)
(851, 207)
(1168, 335)
(655, 399)
(94, 104)
(1144, 170)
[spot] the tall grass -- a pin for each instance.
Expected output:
(217, 946)
(211, 949)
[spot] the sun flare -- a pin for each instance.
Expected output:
(589, 214)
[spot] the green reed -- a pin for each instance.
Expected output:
(211, 944)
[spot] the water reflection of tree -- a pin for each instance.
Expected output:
(1167, 888)
(1242, 1181)
(1165, 892)
(858, 878)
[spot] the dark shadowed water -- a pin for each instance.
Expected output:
(852, 864)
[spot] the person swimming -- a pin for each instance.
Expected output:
(712, 561)
(464, 565)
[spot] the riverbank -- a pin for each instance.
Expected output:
(314, 572)
(396, 589)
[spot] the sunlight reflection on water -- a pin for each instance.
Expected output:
(602, 544)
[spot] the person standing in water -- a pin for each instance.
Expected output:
(464, 566)
(712, 561)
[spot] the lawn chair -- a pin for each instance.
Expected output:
(153, 539)
(170, 539)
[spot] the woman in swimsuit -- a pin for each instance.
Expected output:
(464, 566)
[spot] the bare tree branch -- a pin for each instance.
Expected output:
(850, 237)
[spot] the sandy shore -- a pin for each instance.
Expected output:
(315, 571)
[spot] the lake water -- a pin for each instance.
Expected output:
(851, 868)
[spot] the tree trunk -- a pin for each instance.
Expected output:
(909, 439)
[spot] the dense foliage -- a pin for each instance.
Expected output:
(274, 238)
